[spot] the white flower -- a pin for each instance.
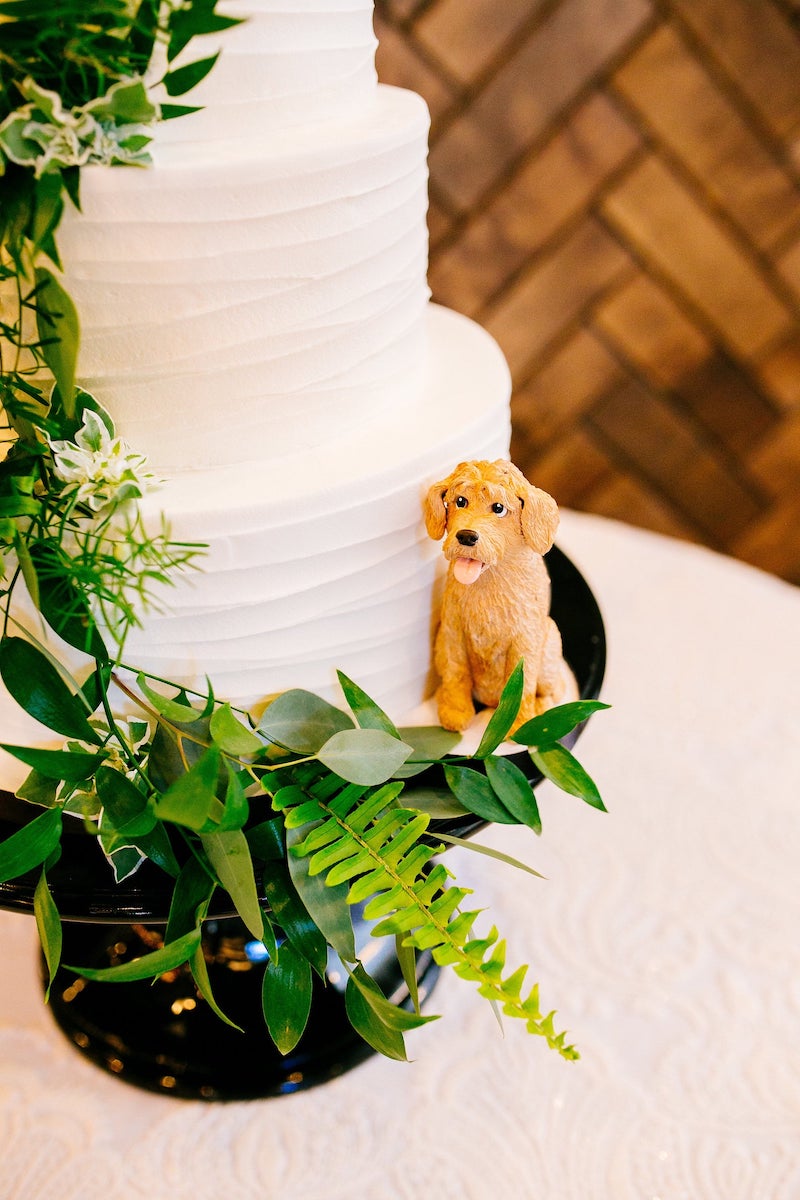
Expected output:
(101, 470)
(114, 128)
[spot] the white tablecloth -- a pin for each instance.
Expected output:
(667, 935)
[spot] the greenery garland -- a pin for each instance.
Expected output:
(309, 800)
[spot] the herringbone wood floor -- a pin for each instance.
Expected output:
(615, 194)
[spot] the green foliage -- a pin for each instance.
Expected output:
(368, 842)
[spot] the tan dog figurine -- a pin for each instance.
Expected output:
(496, 604)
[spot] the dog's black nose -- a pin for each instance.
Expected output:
(467, 537)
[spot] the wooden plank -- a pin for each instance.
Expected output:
(728, 403)
(779, 373)
(399, 9)
(650, 437)
(646, 325)
(776, 462)
(563, 388)
(397, 63)
(769, 542)
(788, 264)
(466, 35)
(680, 238)
(554, 292)
(549, 190)
(570, 470)
(680, 101)
(759, 49)
(625, 498)
(562, 56)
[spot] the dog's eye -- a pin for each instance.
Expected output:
(461, 501)
(499, 510)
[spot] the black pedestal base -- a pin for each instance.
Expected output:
(164, 1037)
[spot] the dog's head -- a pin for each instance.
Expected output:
(486, 508)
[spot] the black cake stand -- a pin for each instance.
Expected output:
(161, 1035)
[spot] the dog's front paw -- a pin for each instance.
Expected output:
(456, 710)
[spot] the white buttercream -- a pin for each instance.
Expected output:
(291, 63)
(240, 306)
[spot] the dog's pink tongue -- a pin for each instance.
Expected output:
(467, 570)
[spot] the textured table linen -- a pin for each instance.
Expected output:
(667, 935)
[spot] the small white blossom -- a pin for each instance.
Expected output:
(101, 470)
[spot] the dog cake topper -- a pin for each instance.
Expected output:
(496, 605)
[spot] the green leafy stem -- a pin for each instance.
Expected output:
(187, 787)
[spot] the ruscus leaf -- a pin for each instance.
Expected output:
(286, 997)
(31, 845)
(37, 687)
(505, 714)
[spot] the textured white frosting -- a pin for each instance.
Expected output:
(292, 62)
(242, 305)
(255, 316)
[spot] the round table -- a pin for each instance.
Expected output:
(665, 934)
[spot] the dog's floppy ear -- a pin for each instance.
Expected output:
(435, 511)
(539, 518)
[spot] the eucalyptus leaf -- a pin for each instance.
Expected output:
(326, 906)
(68, 765)
(147, 966)
(31, 845)
(286, 997)
(365, 756)
(37, 687)
(505, 714)
(302, 722)
(513, 789)
(437, 802)
(230, 857)
(429, 744)
(563, 769)
(363, 707)
(48, 923)
(473, 790)
(556, 723)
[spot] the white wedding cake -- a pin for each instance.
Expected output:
(255, 316)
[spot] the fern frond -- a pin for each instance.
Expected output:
(362, 836)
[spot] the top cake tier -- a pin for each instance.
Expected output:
(290, 63)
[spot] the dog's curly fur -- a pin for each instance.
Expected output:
(495, 609)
